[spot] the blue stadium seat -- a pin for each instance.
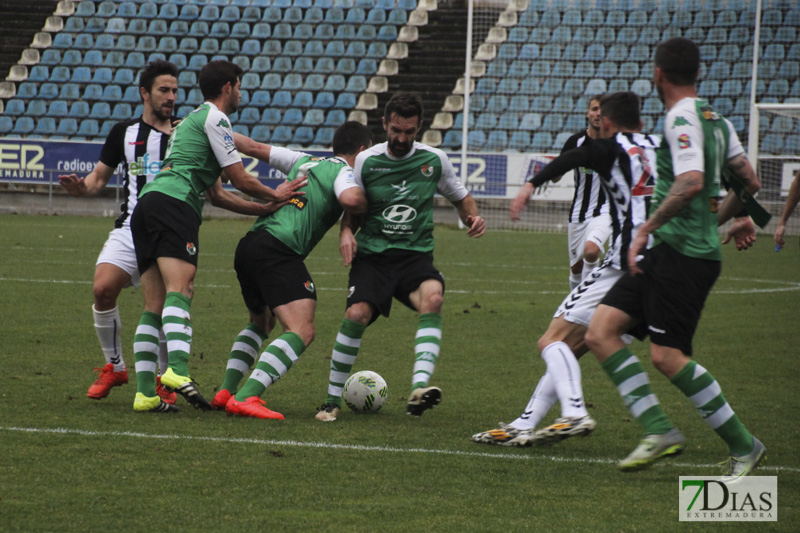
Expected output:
(14, 107)
(499, 68)
(314, 117)
(542, 141)
(105, 129)
(51, 57)
(452, 139)
(281, 135)
(261, 98)
(618, 52)
(6, 125)
(84, 41)
(314, 82)
(282, 65)
(282, 99)
(595, 52)
(325, 65)
(476, 139)
(271, 116)
(37, 108)
(88, 128)
(367, 32)
(72, 58)
(367, 67)
(292, 82)
(324, 136)
(508, 121)
(293, 15)
(251, 47)
(23, 126)
(324, 100)
(575, 123)
(49, 90)
(81, 75)
(335, 118)
(67, 127)
(345, 101)
(249, 115)
(397, 17)
(148, 10)
(209, 13)
(194, 98)
(260, 133)
(127, 10)
(553, 123)
(772, 143)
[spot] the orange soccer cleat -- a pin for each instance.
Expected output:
(164, 394)
(253, 406)
(107, 380)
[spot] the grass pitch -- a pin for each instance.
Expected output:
(68, 463)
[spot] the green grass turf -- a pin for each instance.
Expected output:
(68, 463)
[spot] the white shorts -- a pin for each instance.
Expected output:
(118, 250)
(596, 230)
(579, 306)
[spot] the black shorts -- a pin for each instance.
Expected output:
(668, 298)
(270, 273)
(163, 226)
(376, 278)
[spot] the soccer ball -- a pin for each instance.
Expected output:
(365, 392)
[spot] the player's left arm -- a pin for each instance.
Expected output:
(468, 213)
(249, 147)
(219, 197)
(451, 188)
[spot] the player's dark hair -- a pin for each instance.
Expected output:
(154, 69)
(406, 105)
(622, 108)
(215, 75)
(595, 98)
(679, 59)
(349, 137)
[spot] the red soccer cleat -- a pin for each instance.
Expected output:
(167, 396)
(221, 399)
(253, 407)
(107, 380)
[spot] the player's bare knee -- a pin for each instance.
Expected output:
(594, 339)
(306, 333)
(359, 312)
(105, 297)
(432, 303)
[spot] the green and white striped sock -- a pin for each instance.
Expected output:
(345, 350)
(633, 385)
(706, 395)
(243, 354)
(177, 324)
(426, 349)
(275, 362)
(145, 352)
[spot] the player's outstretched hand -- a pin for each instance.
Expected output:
(477, 226)
(73, 184)
(347, 246)
(778, 238)
(519, 203)
(743, 233)
(289, 189)
(638, 245)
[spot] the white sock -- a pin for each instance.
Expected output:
(163, 353)
(566, 373)
(588, 268)
(108, 326)
(543, 399)
(574, 280)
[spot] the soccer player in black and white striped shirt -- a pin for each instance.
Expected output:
(589, 223)
(623, 160)
(139, 145)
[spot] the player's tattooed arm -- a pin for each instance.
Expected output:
(740, 167)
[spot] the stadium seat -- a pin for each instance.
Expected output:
(135, 60)
(260, 133)
(45, 126)
(23, 126)
(324, 100)
(37, 108)
(281, 135)
(452, 139)
(282, 99)
(345, 101)
(642, 87)
(121, 111)
(88, 128)
(542, 141)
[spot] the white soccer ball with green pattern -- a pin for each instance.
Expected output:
(365, 392)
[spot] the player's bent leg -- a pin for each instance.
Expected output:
(243, 354)
(428, 300)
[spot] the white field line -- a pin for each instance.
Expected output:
(787, 286)
(353, 447)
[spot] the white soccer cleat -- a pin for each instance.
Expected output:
(505, 435)
(737, 467)
(570, 426)
(328, 412)
(653, 448)
(422, 399)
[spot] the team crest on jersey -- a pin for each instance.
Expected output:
(427, 170)
(709, 113)
(309, 285)
(191, 248)
(680, 121)
(350, 291)
(684, 142)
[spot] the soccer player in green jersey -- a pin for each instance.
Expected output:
(274, 280)
(392, 253)
(665, 290)
(166, 223)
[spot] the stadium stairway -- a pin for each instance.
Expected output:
(425, 70)
(28, 18)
